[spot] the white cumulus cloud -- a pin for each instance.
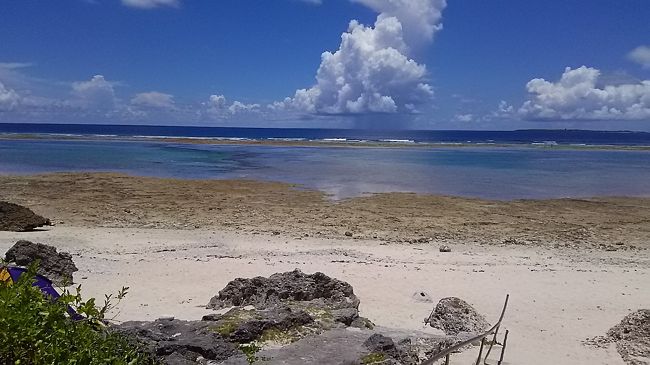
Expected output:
(153, 99)
(420, 19)
(217, 107)
(238, 107)
(95, 93)
(150, 4)
(8, 98)
(465, 118)
(578, 96)
(372, 71)
(640, 55)
(216, 104)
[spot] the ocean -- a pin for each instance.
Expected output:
(530, 165)
(527, 136)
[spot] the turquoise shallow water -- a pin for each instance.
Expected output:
(493, 173)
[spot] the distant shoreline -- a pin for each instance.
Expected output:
(334, 142)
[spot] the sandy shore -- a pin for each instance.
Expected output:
(558, 297)
(573, 267)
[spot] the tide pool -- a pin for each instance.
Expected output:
(485, 172)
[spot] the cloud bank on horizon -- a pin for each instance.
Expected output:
(577, 96)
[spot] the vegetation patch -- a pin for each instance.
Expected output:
(36, 330)
(367, 323)
(230, 321)
(250, 350)
(319, 314)
(373, 358)
(282, 337)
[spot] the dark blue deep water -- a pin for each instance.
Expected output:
(517, 137)
(513, 172)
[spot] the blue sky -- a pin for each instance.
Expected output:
(431, 64)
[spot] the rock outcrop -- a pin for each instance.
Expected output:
(296, 286)
(288, 318)
(14, 217)
(56, 266)
(454, 315)
(179, 342)
(352, 347)
(330, 300)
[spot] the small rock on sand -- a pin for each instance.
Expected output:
(454, 315)
(422, 297)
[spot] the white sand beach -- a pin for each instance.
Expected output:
(559, 297)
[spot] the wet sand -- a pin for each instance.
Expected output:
(113, 200)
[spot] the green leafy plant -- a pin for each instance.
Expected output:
(250, 350)
(34, 329)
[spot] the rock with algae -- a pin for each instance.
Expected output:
(288, 318)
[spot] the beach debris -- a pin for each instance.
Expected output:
(418, 240)
(453, 315)
(348, 234)
(445, 248)
(422, 297)
(631, 336)
(14, 217)
(56, 266)
(291, 286)
(513, 241)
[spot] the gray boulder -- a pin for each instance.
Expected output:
(292, 286)
(14, 217)
(56, 266)
(454, 315)
(329, 301)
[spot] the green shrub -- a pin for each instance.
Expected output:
(35, 330)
